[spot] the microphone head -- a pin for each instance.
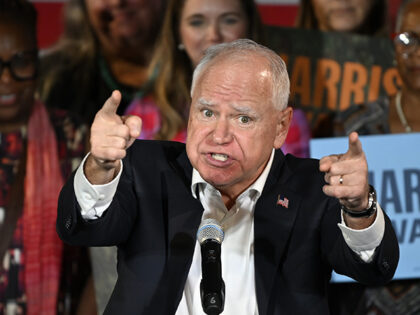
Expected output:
(210, 229)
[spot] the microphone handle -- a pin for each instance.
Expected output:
(212, 286)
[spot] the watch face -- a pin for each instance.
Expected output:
(370, 200)
(372, 197)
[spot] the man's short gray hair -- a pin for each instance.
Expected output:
(245, 47)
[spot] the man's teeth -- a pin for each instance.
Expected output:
(219, 157)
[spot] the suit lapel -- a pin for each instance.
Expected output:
(273, 223)
(183, 218)
(275, 214)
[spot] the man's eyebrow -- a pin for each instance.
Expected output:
(246, 110)
(204, 102)
(238, 108)
(242, 109)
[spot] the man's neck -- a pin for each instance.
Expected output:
(230, 195)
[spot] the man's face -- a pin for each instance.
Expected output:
(233, 125)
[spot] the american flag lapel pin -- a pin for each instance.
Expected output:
(283, 201)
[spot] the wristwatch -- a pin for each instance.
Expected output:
(370, 210)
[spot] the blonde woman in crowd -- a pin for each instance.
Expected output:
(189, 28)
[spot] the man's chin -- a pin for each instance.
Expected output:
(219, 182)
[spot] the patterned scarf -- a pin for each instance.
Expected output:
(42, 247)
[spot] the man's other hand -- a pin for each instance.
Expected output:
(347, 175)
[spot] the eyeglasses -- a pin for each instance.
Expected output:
(22, 66)
(407, 42)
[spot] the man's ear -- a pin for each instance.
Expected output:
(282, 128)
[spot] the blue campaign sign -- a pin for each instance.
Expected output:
(394, 170)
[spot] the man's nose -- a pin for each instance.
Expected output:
(222, 133)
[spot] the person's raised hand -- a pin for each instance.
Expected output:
(347, 175)
(112, 134)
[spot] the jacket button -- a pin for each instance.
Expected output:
(67, 224)
(385, 265)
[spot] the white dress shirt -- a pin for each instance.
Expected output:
(237, 255)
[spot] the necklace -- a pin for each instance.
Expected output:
(128, 93)
(401, 113)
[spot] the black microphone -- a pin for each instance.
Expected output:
(212, 287)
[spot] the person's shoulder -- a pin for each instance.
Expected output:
(156, 149)
(160, 144)
(149, 156)
(300, 171)
(302, 175)
(298, 164)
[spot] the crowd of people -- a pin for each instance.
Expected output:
(39, 149)
(394, 114)
(149, 50)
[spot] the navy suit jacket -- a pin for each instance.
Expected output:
(153, 219)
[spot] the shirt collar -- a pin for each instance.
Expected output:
(258, 185)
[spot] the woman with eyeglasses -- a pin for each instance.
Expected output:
(401, 112)
(397, 114)
(404, 113)
(37, 150)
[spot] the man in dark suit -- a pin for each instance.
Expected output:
(288, 222)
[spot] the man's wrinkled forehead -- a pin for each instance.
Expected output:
(240, 108)
(235, 77)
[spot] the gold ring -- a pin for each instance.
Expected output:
(341, 180)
